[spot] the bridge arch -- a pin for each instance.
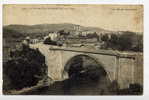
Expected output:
(75, 63)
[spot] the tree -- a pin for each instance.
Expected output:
(138, 43)
(25, 68)
(105, 37)
(126, 40)
(114, 41)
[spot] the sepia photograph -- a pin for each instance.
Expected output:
(72, 49)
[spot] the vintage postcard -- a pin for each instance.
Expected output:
(72, 49)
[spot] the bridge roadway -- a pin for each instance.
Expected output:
(96, 51)
(124, 67)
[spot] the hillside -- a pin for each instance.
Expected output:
(46, 28)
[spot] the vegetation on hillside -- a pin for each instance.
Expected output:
(127, 41)
(25, 69)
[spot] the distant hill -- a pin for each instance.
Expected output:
(46, 28)
(11, 33)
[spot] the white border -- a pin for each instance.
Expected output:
(146, 49)
(75, 1)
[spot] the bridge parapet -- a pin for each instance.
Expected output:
(100, 51)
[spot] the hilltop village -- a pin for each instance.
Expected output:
(73, 38)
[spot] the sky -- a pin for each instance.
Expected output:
(110, 17)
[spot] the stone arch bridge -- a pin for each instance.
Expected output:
(125, 68)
